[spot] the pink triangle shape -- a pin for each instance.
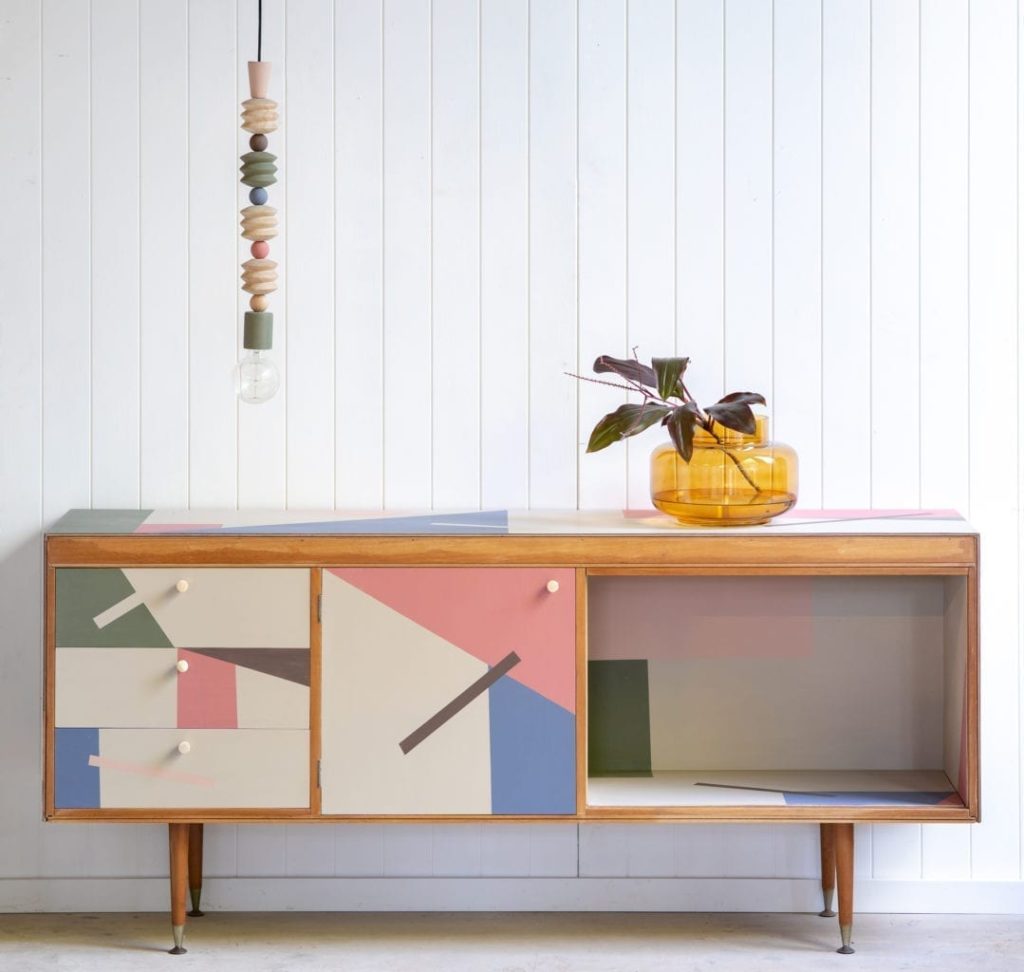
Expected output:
(489, 612)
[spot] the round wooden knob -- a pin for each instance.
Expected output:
(182, 586)
(182, 666)
(552, 586)
(184, 747)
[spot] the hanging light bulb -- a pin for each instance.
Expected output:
(258, 377)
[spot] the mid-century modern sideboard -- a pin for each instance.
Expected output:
(206, 667)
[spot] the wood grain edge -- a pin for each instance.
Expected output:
(315, 687)
(581, 689)
(49, 688)
(973, 697)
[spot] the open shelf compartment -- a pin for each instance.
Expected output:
(770, 691)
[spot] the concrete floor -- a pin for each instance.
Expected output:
(486, 942)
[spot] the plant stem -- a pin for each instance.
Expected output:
(732, 456)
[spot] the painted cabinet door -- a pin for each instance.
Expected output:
(448, 690)
(181, 687)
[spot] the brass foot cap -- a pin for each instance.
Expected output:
(845, 950)
(178, 950)
(196, 913)
(828, 913)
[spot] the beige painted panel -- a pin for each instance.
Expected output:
(262, 768)
(231, 607)
(265, 702)
(752, 789)
(383, 676)
(130, 687)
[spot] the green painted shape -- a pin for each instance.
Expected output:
(100, 521)
(84, 592)
(258, 169)
(618, 718)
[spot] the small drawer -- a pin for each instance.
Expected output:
(182, 607)
(177, 768)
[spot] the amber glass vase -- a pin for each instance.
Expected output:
(732, 479)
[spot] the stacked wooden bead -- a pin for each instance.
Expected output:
(259, 221)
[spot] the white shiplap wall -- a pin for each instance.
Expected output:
(813, 198)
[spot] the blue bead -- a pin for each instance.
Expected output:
(257, 196)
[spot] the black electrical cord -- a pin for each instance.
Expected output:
(259, 30)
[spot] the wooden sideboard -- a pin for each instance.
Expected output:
(206, 667)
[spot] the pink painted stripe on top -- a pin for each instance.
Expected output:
(489, 612)
(207, 694)
(141, 769)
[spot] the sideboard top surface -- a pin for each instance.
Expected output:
(494, 522)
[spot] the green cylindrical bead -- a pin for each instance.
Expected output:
(258, 169)
(259, 331)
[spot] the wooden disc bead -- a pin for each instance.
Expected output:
(258, 302)
(258, 143)
(260, 249)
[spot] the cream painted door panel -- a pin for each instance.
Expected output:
(117, 687)
(240, 768)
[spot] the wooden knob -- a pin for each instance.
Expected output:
(182, 586)
(552, 586)
(182, 666)
(184, 747)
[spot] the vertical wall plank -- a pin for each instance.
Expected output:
(213, 250)
(994, 438)
(309, 250)
(945, 849)
(20, 453)
(796, 400)
(700, 193)
(455, 253)
(163, 254)
(115, 253)
(650, 207)
(407, 256)
(748, 197)
(553, 312)
(602, 237)
(846, 254)
(504, 253)
(66, 261)
(262, 438)
(359, 294)
(895, 281)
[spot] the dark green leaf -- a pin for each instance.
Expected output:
(627, 368)
(680, 424)
(625, 421)
(734, 415)
(669, 371)
(744, 398)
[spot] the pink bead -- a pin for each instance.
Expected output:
(260, 249)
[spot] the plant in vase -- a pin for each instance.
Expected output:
(719, 468)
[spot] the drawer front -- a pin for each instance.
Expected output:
(146, 655)
(144, 768)
(448, 690)
(183, 607)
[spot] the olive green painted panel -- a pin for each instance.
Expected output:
(85, 592)
(618, 718)
(100, 521)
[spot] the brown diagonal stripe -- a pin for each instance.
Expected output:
(439, 718)
(291, 664)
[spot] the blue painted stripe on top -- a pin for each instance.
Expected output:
(442, 524)
(533, 752)
(854, 798)
(77, 784)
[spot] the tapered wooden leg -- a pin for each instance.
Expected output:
(195, 867)
(178, 835)
(828, 868)
(844, 878)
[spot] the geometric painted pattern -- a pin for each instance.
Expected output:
(124, 704)
(444, 691)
